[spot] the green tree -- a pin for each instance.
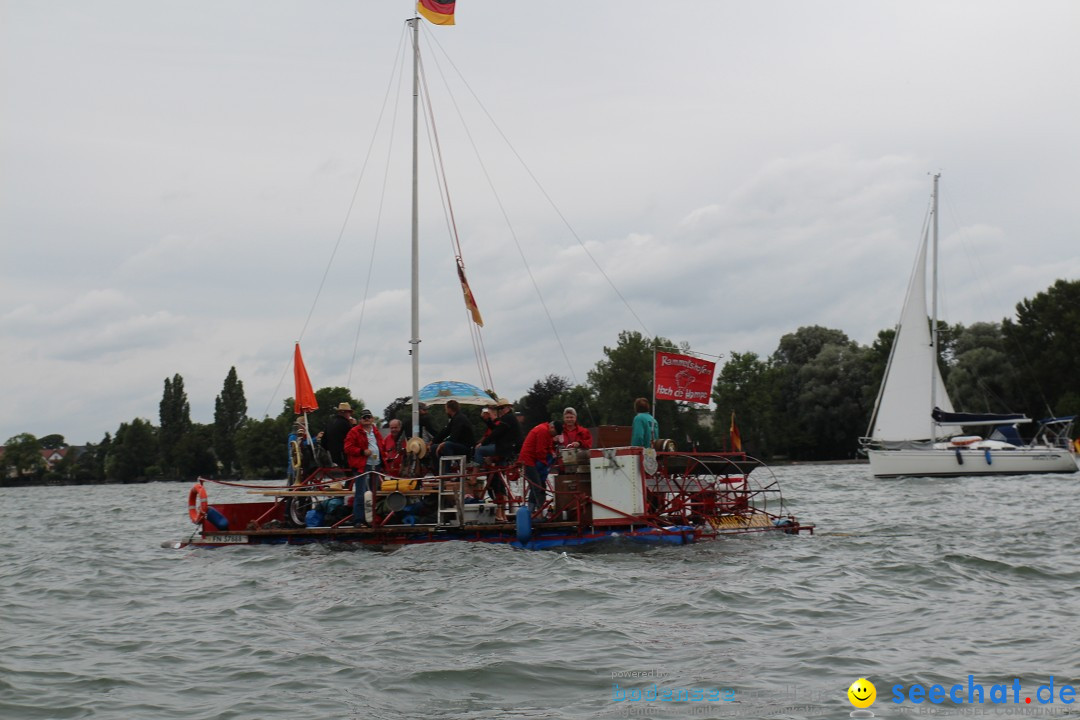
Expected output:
(52, 442)
(746, 385)
(625, 373)
(22, 453)
(87, 467)
(831, 404)
(818, 404)
(800, 347)
(1045, 339)
(133, 450)
(330, 397)
(64, 468)
(90, 463)
(101, 453)
(193, 453)
(791, 435)
(948, 339)
(579, 397)
(401, 409)
(230, 414)
(175, 416)
(983, 377)
(879, 352)
(261, 447)
(534, 404)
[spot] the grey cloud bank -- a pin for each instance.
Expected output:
(173, 180)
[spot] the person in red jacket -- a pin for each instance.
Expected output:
(537, 451)
(362, 452)
(393, 448)
(574, 436)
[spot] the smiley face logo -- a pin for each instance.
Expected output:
(862, 693)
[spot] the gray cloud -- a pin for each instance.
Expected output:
(173, 180)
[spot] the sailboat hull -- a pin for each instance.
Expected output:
(954, 462)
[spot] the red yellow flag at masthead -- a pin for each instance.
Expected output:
(436, 12)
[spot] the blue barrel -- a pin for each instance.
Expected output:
(217, 519)
(313, 518)
(524, 525)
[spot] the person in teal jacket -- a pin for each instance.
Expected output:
(645, 429)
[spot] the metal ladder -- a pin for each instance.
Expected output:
(451, 502)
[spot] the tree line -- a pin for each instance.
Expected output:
(811, 399)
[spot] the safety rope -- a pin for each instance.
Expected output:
(395, 72)
(475, 332)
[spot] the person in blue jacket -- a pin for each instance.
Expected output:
(644, 429)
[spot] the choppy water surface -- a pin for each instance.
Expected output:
(906, 581)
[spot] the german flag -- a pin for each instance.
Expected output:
(734, 435)
(437, 13)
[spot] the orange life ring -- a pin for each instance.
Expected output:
(198, 505)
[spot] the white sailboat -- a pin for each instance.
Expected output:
(914, 430)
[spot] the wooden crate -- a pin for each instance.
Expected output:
(607, 436)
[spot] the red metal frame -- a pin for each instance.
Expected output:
(688, 493)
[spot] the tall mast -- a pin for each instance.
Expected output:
(415, 341)
(934, 323)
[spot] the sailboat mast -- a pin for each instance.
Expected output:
(415, 341)
(933, 314)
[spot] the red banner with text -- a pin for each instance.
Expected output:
(682, 377)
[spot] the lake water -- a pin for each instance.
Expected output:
(906, 581)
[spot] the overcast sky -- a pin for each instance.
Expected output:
(174, 178)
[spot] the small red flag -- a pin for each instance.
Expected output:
(437, 13)
(305, 396)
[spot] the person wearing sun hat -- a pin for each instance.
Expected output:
(501, 444)
(505, 434)
(337, 427)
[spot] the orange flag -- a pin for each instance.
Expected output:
(736, 438)
(305, 396)
(470, 301)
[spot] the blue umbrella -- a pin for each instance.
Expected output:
(442, 391)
